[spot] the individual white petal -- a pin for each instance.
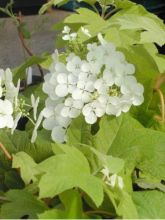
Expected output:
(49, 123)
(69, 102)
(66, 37)
(105, 171)
(129, 69)
(47, 112)
(18, 117)
(7, 107)
(77, 94)
(65, 111)
(29, 75)
(2, 121)
(138, 100)
(38, 122)
(100, 111)
(87, 110)
(120, 182)
(78, 104)
(8, 76)
(85, 31)
(86, 97)
(101, 39)
(66, 30)
(74, 113)
(62, 78)
(91, 118)
(58, 134)
(113, 180)
(35, 103)
(9, 121)
(61, 90)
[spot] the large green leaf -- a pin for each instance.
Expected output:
(138, 19)
(65, 171)
(92, 21)
(21, 203)
(124, 137)
(150, 204)
(110, 129)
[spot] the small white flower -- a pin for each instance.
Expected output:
(67, 35)
(133, 90)
(74, 65)
(72, 108)
(6, 111)
(86, 31)
(66, 84)
(120, 182)
(66, 30)
(83, 91)
(116, 106)
(92, 111)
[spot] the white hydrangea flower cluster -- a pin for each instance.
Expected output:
(102, 83)
(8, 98)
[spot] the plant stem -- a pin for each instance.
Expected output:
(162, 102)
(103, 9)
(110, 13)
(99, 212)
(5, 151)
(21, 37)
(95, 9)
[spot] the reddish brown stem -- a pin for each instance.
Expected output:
(28, 50)
(5, 151)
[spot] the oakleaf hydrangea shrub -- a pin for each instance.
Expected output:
(97, 83)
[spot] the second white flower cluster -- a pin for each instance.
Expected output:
(101, 82)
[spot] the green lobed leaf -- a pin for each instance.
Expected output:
(124, 137)
(138, 19)
(21, 203)
(63, 168)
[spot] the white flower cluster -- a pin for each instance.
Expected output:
(8, 98)
(67, 35)
(102, 83)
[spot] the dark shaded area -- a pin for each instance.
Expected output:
(27, 7)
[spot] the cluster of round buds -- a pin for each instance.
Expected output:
(102, 83)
